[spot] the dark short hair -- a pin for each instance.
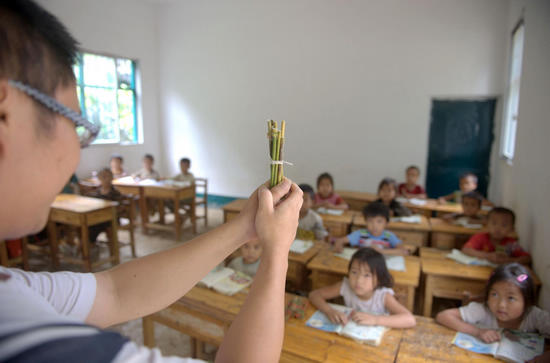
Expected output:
(149, 156)
(376, 209)
(377, 264)
(105, 170)
(411, 167)
(185, 160)
(468, 175)
(474, 195)
(388, 181)
(511, 273)
(325, 176)
(505, 211)
(307, 189)
(117, 156)
(36, 49)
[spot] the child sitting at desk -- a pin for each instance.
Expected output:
(185, 175)
(106, 191)
(377, 216)
(310, 224)
(471, 206)
(411, 188)
(495, 245)
(326, 197)
(249, 261)
(147, 172)
(467, 183)
(368, 290)
(509, 304)
(387, 191)
(116, 166)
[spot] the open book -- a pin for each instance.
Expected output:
(463, 258)
(414, 201)
(299, 246)
(362, 333)
(334, 212)
(464, 223)
(396, 263)
(514, 346)
(226, 280)
(414, 219)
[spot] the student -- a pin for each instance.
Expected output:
(106, 191)
(377, 216)
(368, 290)
(72, 186)
(185, 175)
(467, 183)
(471, 206)
(411, 188)
(249, 260)
(310, 225)
(495, 245)
(387, 191)
(39, 112)
(326, 197)
(509, 304)
(116, 166)
(147, 172)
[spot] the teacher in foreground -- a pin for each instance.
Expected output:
(59, 316)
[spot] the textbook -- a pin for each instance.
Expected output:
(514, 346)
(367, 334)
(463, 258)
(414, 219)
(414, 201)
(226, 280)
(346, 253)
(299, 246)
(396, 263)
(333, 212)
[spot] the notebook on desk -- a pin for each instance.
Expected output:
(226, 281)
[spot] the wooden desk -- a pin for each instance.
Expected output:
(297, 273)
(431, 252)
(338, 226)
(431, 342)
(205, 315)
(416, 234)
(447, 235)
(231, 210)
(83, 212)
(357, 200)
(327, 269)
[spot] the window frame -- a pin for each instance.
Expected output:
(138, 138)
(510, 117)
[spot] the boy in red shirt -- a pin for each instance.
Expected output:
(496, 245)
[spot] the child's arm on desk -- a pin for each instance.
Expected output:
(319, 299)
(399, 316)
(399, 250)
(451, 319)
(256, 334)
(444, 199)
(146, 285)
(339, 244)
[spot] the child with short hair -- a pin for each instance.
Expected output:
(310, 224)
(147, 172)
(496, 245)
(326, 197)
(387, 191)
(377, 216)
(185, 175)
(411, 188)
(116, 166)
(471, 206)
(106, 191)
(249, 261)
(467, 183)
(509, 304)
(368, 290)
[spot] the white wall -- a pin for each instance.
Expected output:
(523, 186)
(124, 28)
(354, 80)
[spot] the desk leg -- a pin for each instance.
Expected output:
(144, 209)
(4, 254)
(25, 253)
(161, 211)
(410, 298)
(428, 296)
(52, 236)
(177, 218)
(148, 332)
(115, 251)
(194, 215)
(85, 246)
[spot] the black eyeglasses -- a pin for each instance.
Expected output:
(85, 130)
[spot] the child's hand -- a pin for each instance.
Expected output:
(364, 318)
(488, 335)
(442, 200)
(337, 317)
(338, 246)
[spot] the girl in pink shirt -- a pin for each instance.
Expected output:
(325, 196)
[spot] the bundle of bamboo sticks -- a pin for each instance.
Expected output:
(276, 141)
